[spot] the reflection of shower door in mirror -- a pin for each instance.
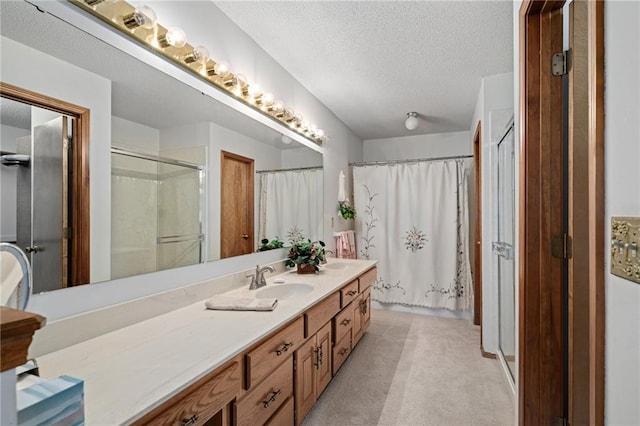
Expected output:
(504, 249)
(49, 249)
(236, 205)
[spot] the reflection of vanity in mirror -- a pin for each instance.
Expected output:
(144, 179)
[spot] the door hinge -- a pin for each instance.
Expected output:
(560, 63)
(562, 246)
(559, 421)
(66, 233)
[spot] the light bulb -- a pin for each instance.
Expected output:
(320, 134)
(200, 55)
(313, 129)
(268, 99)
(173, 37)
(222, 69)
(143, 16)
(289, 115)
(412, 121)
(254, 91)
(305, 125)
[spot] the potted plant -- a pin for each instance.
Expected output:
(265, 244)
(346, 211)
(306, 256)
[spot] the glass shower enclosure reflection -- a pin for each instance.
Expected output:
(157, 213)
(504, 248)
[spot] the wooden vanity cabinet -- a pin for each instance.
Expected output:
(207, 402)
(312, 370)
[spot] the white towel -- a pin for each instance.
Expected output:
(221, 302)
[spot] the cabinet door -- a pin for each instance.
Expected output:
(356, 324)
(323, 354)
(366, 309)
(306, 366)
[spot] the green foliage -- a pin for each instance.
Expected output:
(265, 244)
(308, 252)
(346, 211)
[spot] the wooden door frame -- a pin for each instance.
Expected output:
(81, 216)
(539, 340)
(250, 193)
(477, 249)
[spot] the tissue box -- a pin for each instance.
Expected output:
(58, 401)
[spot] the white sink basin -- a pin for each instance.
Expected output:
(337, 265)
(283, 291)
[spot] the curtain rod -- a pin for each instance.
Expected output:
(290, 170)
(417, 160)
(156, 158)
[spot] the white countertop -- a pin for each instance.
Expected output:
(130, 371)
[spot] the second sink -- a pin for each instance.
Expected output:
(283, 291)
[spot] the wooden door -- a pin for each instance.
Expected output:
(356, 324)
(236, 205)
(477, 228)
(305, 378)
(323, 343)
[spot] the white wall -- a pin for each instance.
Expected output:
(134, 136)
(24, 67)
(496, 95)
(622, 194)
(418, 146)
(9, 208)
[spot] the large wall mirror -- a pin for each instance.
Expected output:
(171, 176)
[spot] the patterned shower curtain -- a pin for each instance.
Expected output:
(291, 205)
(413, 218)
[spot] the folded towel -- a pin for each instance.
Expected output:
(221, 302)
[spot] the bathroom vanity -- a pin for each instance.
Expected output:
(194, 366)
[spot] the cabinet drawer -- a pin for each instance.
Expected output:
(367, 279)
(202, 403)
(342, 323)
(321, 314)
(348, 293)
(273, 351)
(284, 416)
(341, 352)
(256, 406)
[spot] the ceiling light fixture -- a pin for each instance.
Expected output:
(200, 55)
(411, 123)
(286, 140)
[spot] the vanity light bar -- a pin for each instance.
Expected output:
(140, 23)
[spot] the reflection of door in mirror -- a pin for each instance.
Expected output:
(504, 248)
(42, 191)
(236, 205)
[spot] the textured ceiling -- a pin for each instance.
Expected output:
(372, 62)
(15, 114)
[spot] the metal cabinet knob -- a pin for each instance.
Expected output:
(34, 249)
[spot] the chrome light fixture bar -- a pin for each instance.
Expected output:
(140, 23)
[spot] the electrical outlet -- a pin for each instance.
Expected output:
(625, 247)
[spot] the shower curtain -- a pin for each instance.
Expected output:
(291, 205)
(413, 218)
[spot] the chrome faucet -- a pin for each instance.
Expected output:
(258, 279)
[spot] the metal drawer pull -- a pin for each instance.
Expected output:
(284, 348)
(343, 351)
(190, 421)
(272, 398)
(319, 356)
(352, 293)
(346, 321)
